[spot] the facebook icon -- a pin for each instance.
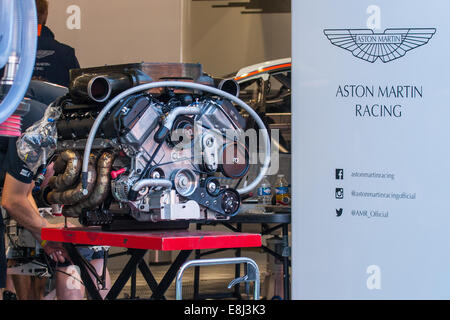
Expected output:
(339, 174)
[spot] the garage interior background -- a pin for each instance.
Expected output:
(224, 36)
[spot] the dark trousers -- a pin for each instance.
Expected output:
(2, 254)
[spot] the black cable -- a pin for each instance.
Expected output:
(54, 270)
(239, 182)
(132, 195)
(105, 261)
(80, 281)
(149, 164)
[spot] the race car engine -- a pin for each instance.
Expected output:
(162, 153)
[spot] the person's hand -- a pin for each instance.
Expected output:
(55, 250)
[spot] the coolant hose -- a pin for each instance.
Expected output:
(134, 192)
(188, 85)
(27, 24)
(164, 130)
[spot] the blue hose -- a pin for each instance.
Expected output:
(7, 26)
(26, 20)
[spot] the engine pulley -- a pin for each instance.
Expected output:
(213, 187)
(234, 159)
(231, 202)
(185, 181)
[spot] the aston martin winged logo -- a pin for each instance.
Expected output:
(41, 54)
(387, 46)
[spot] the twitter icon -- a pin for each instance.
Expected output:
(339, 212)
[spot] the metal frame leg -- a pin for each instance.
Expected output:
(197, 270)
(158, 293)
(133, 284)
(136, 261)
(252, 273)
(237, 287)
(136, 257)
(286, 277)
(148, 276)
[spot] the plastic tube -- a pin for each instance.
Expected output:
(7, 27)
(188, 85)
(27, 22)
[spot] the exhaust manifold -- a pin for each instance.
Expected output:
(68, 167)
(77, 194)
(101, 190)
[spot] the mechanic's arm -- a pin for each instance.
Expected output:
(31, 199)
(16, 201)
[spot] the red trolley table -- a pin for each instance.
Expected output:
(138, 243)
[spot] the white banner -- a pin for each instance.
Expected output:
(371, 137)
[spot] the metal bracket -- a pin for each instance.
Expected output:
(251, 276)
(30, 269)
(286, 252)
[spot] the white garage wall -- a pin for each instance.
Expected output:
(225, 40)
(119, 31)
